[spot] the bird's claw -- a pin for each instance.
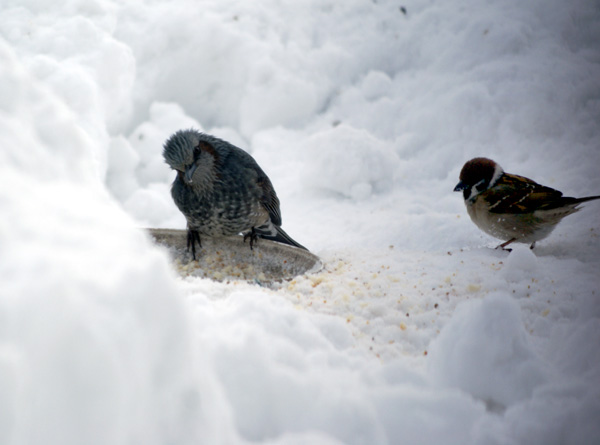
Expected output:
(503, 245)
(253, 237)
(192, 237)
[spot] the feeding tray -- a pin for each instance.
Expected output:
(230, 258)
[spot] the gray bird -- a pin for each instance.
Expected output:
(222, 191)
(512, 207)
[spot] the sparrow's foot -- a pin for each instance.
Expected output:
(253, 237)
(192, 237)
(503, 245)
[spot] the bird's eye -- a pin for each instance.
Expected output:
(197, 152)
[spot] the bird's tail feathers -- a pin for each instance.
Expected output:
(587, 198)
(276, 233)
(572, 203)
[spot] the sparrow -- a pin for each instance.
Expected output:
(222, 191)
(511, 207)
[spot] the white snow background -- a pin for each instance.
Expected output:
(415, 332)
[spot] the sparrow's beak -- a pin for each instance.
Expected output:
(460, 187)
(189, 173)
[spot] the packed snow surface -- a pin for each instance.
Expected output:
(362, 112)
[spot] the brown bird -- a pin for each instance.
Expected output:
(222, 191)
(511, 207)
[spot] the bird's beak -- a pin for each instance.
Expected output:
(189, 173)
(460, 187)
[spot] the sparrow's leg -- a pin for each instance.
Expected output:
(192, 237)
(253, 237)
(503, 245)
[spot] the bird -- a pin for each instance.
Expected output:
(510, 207)
(222, 191)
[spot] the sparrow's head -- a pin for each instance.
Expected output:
(477, 175)
(190, 153)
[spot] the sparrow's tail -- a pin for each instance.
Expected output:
(276, 233)
(570, 202)
(587, 198)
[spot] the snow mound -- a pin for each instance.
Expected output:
(484, 351)
(95, 340)
(349, 162)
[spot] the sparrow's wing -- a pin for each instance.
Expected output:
(517, 194)
(269, 199)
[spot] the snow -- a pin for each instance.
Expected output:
(415, 331)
